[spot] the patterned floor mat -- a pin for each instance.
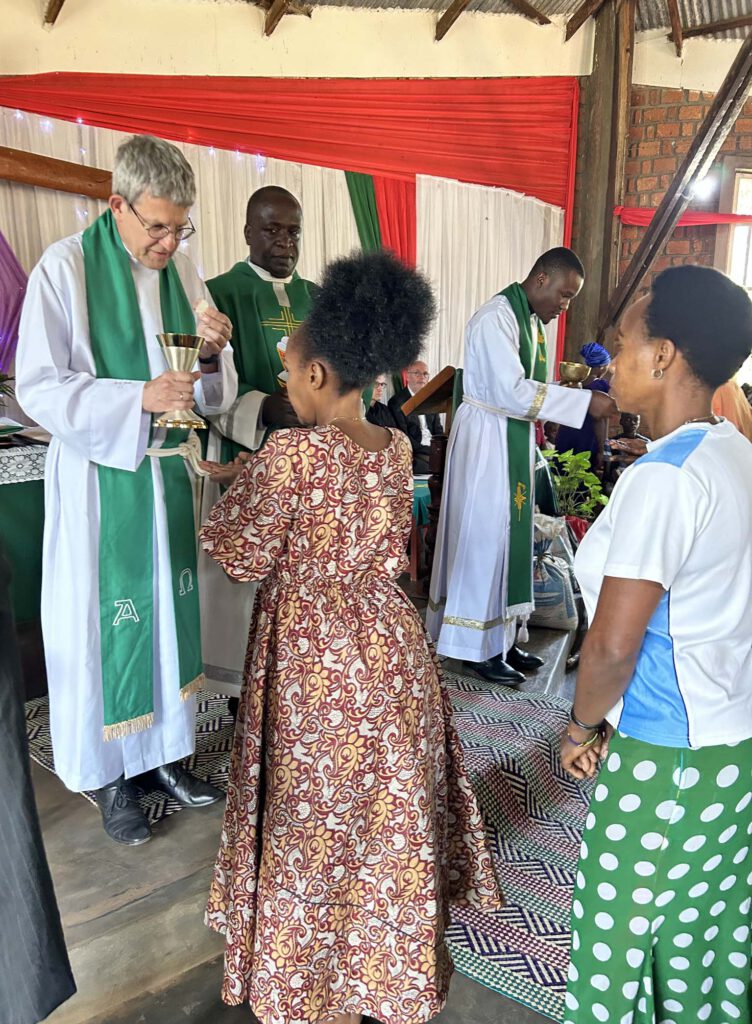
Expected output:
(534, 815)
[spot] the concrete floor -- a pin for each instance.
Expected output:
(133, 918)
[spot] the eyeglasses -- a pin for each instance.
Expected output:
(157, 231)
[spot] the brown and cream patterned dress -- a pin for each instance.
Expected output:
(350, 822)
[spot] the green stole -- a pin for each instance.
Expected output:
(259, 322)
(126, 499)
(533, 357)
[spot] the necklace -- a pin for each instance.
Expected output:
(348, 419)
(712, 419)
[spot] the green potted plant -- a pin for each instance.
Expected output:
(578, 489)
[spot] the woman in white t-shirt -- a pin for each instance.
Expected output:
(661, 909)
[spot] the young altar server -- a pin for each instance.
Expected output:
(482, 580)
(350, 822)
(120, 607)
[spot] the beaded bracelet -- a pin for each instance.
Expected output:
(581, 725)
(585, 743)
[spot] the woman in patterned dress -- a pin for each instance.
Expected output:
(350, 822)
(661, 910)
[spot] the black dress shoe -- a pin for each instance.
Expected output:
(187, 789)
(122, 817)
(523, 660)
(496, 670)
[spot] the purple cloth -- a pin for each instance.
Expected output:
(582, 440)
(12, 291)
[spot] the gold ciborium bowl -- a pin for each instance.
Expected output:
(573, 374)
(181, 352)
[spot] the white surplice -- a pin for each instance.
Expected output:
(467, 613)
(99, 422)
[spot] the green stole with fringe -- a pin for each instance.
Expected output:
(126, 499)
(533, 357)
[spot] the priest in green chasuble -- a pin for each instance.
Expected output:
(266, 300)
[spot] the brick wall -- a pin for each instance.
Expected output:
(663, 123)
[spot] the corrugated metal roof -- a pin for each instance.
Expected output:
(651, 14)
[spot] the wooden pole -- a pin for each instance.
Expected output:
(44, 172)
(676, 25)
(718, 123)
(727, 25)
(602, 145)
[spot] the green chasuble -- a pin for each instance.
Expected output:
(259, 321)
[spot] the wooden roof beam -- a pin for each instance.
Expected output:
(449, 17)
(719, 121)
(586, 10)
(51, 11)
(530, 12)
(677, 33)
(728, 25)
(274, 15)
(45, 172)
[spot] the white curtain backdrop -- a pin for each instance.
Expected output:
(472, 242)
(33, 218)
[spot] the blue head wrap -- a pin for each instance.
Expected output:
(595, 354)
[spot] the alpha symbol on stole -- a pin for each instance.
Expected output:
(520, 497)
(126, 609)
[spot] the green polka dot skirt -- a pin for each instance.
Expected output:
(661, 907)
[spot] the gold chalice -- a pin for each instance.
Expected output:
(573, 374)
(181, 352)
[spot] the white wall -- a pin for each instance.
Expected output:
(225, 38)
(703, 64)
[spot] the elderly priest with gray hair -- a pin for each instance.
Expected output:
(120, 610)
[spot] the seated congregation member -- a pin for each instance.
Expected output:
(120, 611)
(378, 412)
(350, 822)
(591, 436)
(661, 911)
(419, 428)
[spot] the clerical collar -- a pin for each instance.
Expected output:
(266, 276)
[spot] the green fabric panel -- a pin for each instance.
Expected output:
(363, 199)
(21, 529)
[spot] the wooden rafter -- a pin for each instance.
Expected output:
(728, 25)
(45, 172)
(677, 32)
(530, 12)
(274, 15)
(51, 11)
(294, 7)
(719, 121)
(581, 15)
(449, 17)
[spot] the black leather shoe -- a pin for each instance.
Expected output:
(496, 670)
(182, 786)
(122, 817)
(524, 661)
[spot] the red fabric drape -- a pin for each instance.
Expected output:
(395, 202)
(512, 132)
(642, 216)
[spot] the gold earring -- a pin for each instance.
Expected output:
(656, 374)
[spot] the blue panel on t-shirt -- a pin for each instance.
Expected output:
(676, 451)
(654, 709)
